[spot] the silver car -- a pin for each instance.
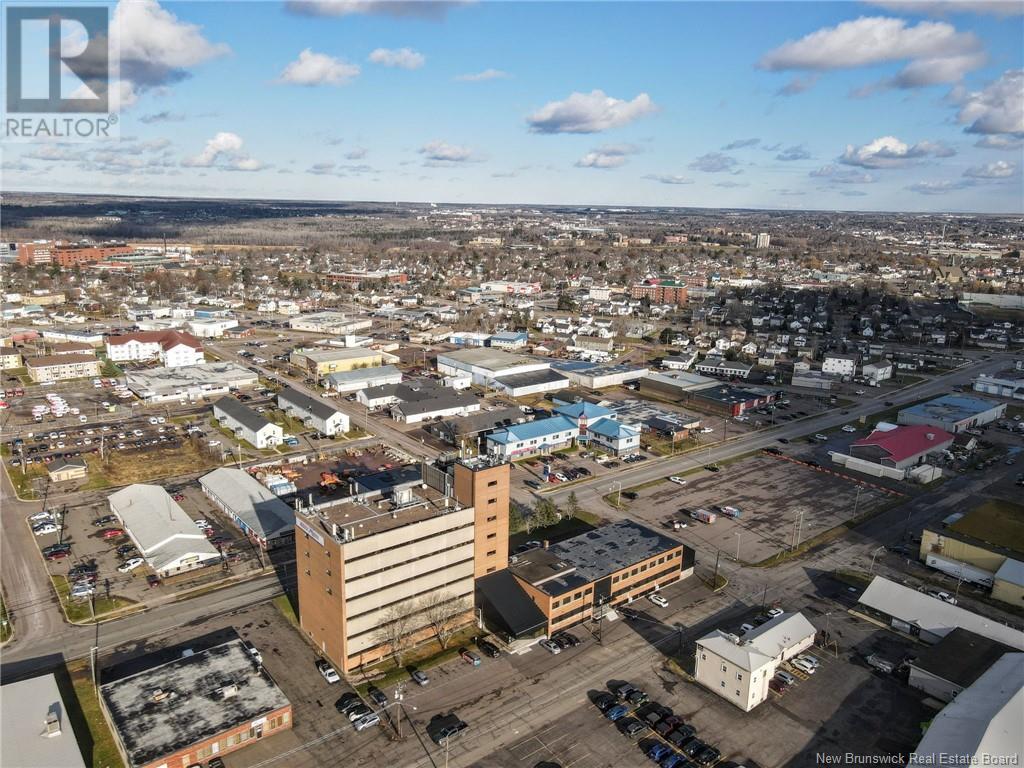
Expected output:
(551, 645)
(366, 722)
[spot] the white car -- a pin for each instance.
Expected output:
(658, 600)
(130, 565)
(82, 590)
(774, 612)
(202, 524)
(327, 672)
(803, 665)
(44, 528)
(41, 517)
(860, 392)
(706, 430)
(812, 660)
(677, 480)
(152, 420)
(551, 646)
(945, 597)
(849, 428)
(744, 628)
(821, 437)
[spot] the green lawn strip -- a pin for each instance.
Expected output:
(284, 605)
(423, 657)
(563, 529)
(79, 611)
(99, 749)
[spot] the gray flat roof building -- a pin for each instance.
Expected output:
(35, 731)
(253, 507)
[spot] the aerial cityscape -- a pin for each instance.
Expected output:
(516, 385)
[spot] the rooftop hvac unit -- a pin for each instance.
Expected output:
(228, 691)
(52, 724)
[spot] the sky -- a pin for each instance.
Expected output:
(887, 105)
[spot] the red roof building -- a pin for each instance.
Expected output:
(901, 447)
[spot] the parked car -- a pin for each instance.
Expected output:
(41, 517)
(658, 751)
(377, 696)
(56, 548)
(111, 533)
(633, 727)
(42, 529)
(130, 565)
(253, 652)
(631, 495)
(60, 554)
(568, 638)
(677, 480)
(803, 665)
(785, 677)
(488, 648)
(744, 628)
(327, 671)
(712, 468)
(617, 712)
(368, 721)
(469, 657)
(849, 428)
(358, 712)
(347, 702)
(605, 701)
(658, 600)
(773, 612)
(551, 645)
(418, 677)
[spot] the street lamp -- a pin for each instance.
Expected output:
(874, 554)
(617, 487)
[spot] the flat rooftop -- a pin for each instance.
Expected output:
(996, 522)
(207, 375)
(371, 518)
(951, 408)
(174, 705)
(492, 359)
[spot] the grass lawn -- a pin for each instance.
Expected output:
(425, 656)
(127, 467)
(286, 422)
(79, 611)
(22, 477)
(563, 529)
(284, 605)
(110, 369)
(94, 737)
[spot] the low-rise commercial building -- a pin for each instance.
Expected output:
(612, 437)
(61, 367)
(211, 327)
(442, 404)
(321, 362)
(259, 514)
(164, 535)
(1004, 384)
(953, 413)
(486, 364)
(902, 447)
(62, 470)
(470, 429)
(334, 323)
(877, 372)
(535, 437)
(362, 378)
(174, 349)
(199, 705)
(247, 424)
(529, 383)
(36, 729)
(509, 340)
(945, 669)
(190, 383)
(739, 668)
(597, 375)
(581, 578)
(840, 364)
(314, 412)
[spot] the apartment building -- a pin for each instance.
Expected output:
(661, 292)
(9, 358)
(403, 539)
(312, 411)
(580, 578)
(247, 424)
(174, 349)
(61, 367)
(840, 364)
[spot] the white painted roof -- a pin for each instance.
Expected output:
(23, 739)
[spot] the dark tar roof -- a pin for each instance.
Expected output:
(531, 378)
(314, 405)
(240, 413)
(961, 657)
(509, 601)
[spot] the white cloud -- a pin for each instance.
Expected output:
(589, 113)
(433, 10)
(607, 156)
(223, 151)
(936, 187)
(837, 175)
(715, 162)
(947, 7)
(443, 153)
(356, 154)
(667, 178)
(487, 74)
(1000, 169)
(791, 154)
(867, 41)
(403, 58)
(995, 141)
(741, 144)
(997, 108)
(890, 152)
(317, 69)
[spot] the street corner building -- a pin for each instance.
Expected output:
(404, 541)
(197, 706)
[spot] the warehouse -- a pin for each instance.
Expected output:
(200, 704)
(953, 413)
(258, 513)
(597, 376)
(1004, 384)
(674, 385)
(580, 578)
(334, 323)
(165, 536)
(246, 424)
(930, 619)
(945, 669)
(902, 447)
(362, 378)
(529, 383)
(159, 385)
(442, 404)
(726, 400)
(321, 362)
(36, 730)
(314, 412)
(485, 364)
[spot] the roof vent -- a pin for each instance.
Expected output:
(52, 724)
(160, 695)
(228, 691)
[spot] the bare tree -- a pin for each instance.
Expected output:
(440, 611)
(395, 631)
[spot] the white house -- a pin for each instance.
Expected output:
(174, 349)
(613, 437)
(534, 437)
(841, 365)
(877, 372)
(313, 411)
(739, 668)
(247, 424)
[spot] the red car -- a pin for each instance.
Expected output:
(59, 554)
(111, 533)
(210, 533)
(153, 580)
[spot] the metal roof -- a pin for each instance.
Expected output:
(532, 430)
(316, 406)
(242, 414)
(23, 739)
(248, 499)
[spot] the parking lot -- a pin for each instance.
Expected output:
(780, 502)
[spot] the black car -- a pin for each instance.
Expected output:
(632, 727)
(347, 702)
(583, 471)
(681, 735)
(533, 484)
(712, 468)
(889, 403)
(101, 521)
(637, 697)
(694, 747)
(708, 756)
(56, 548)
(773, 451)
(631, 495)
(783, 440)
(377, 696)
(570, 640)
(125, 549)
(663, 728)
(605, 701)
(811, 463)
(488, 648)
(82, 570)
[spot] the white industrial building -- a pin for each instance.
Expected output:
(159, 385)
(739, 668)
(530, 383)
(485, 364)
(166, 537)
(314, 412)
(247, 424)
(174, 349)
(36, 730)
(362, 378)
(257, 512)
(211, 327)
(598, 376)
(1004, 384)
(334, 323)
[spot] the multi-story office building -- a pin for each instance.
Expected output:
(404, 539)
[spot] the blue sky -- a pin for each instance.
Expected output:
(875, 106)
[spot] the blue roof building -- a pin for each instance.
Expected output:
(953, 413)
(614, 437)
(584, 412)
(534, 437)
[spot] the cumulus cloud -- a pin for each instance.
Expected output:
(741, 143)
(1000, 169)
(487, 74)
(996, 108)
(936, 187)
(430, 10)
(837, 175)
(128, 156)
(890, 152)
(356, 154)
(665, 178)
(224, 151)
(313, 68)
(403, 58)
(947, 7)
(790, 154)
(607, 156)
(442, 153)
(996, 141)
(589, 113)
(715, 162)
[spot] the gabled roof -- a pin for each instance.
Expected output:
(245, 416)
(314, 405)
(612, 429)
(906, 441)
(583, 410)
(532, 430)
(166, 339)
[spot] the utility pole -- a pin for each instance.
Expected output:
(739, 534)
(718, 556)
